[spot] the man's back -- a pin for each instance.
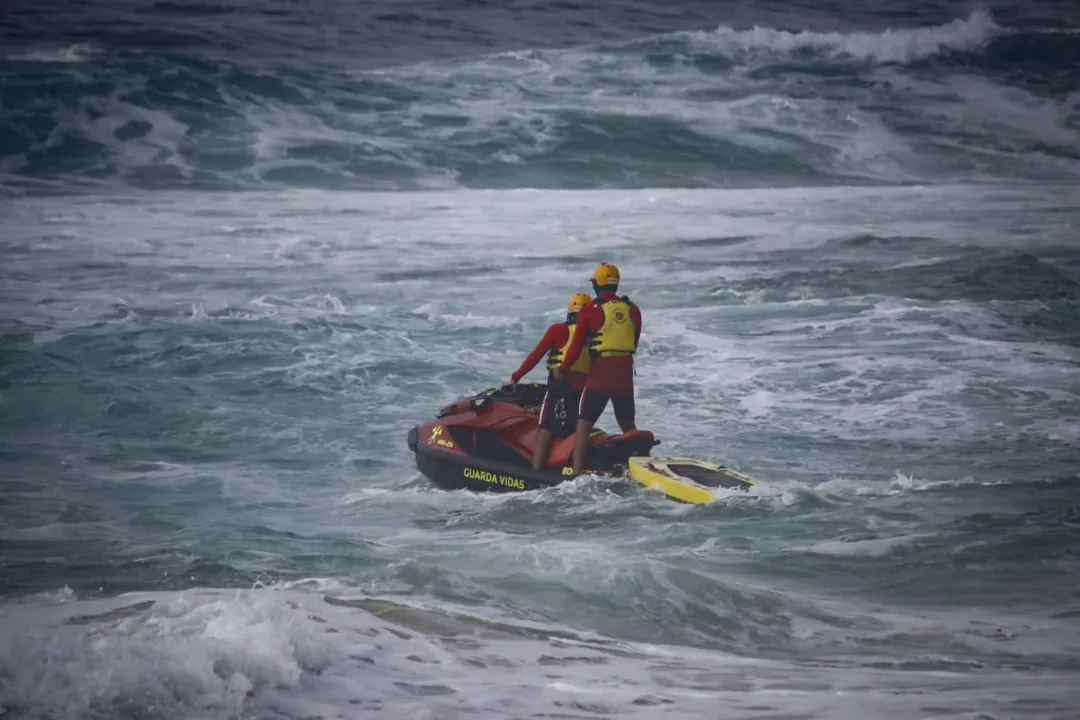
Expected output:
(614, 374)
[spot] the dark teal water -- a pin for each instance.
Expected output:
(246, 247)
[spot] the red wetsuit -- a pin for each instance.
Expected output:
(553, 340)
(613, 376)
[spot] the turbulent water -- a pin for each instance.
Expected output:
(247, 245)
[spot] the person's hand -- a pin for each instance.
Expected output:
(510, 385)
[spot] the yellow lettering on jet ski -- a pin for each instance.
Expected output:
(494, 478)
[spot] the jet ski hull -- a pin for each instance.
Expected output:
(453, 471)
(485, 443)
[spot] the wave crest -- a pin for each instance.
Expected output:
(889, 46)
(704, 109)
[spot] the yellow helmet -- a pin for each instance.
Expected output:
(577, 301)
(606, 274)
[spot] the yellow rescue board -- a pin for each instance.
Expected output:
(686, 479)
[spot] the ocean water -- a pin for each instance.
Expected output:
(247, 245)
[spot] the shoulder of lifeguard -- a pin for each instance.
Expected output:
(590, 313)
(554, 330)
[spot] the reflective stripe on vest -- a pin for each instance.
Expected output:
(616, 335)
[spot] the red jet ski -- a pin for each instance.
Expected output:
(485, 443)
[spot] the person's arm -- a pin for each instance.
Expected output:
(547, 343)
(635, 317)
(586, 321)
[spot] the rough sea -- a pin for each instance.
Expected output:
(246, 245)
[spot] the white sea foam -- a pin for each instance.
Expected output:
(891, 45)
(877, 368)
(523, 117)
(299, 652)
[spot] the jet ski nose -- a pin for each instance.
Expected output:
(412, 439)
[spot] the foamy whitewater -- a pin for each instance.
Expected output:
(247, 246)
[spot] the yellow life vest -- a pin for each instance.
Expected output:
(616, 335)
(555, 357)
